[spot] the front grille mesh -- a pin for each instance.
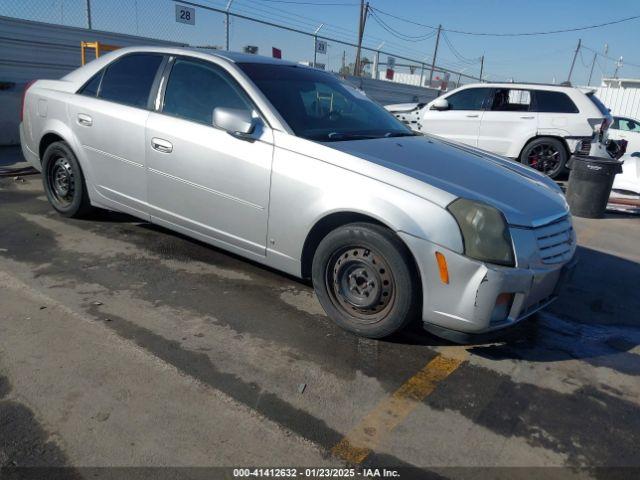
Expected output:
(555, 241)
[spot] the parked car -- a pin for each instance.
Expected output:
(628, 181)
(539, 125)
(625, 128)
(289, 167)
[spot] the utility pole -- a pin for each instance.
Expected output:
(435, 54)
(315, 44)
(481, 67)
(89, 14)
(344, 60)
(364, 10)
(618, 66)
(376, 61)
(227, 24)
(573, 63)
(593, 64)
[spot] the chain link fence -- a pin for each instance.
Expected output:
(211, 25)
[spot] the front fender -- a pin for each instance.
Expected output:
(305, 190)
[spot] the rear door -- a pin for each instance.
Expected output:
(508, 123)
(109, 116)
(461, 122)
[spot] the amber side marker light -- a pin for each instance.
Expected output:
(442, 268)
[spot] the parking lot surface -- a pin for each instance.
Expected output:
(122, 343)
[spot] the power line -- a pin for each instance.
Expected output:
(514, 34)
(313, 23)
(457, 54)
(610, 58)
(341, 4)
(398, 34)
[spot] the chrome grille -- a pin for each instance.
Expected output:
(555, 241)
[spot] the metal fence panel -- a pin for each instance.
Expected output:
(622, 101)
(30, 50)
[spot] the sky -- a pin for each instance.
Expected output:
(541, 58)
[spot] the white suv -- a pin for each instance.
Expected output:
(540, 125)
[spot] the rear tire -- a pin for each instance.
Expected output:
(366, 280)
(547, 155)
(64, 182)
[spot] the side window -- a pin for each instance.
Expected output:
(195, 88)
(511, 100)
(628, 125)
(615, 125)
(554, 102)
(129, 79)
(90, 88)
(469, 99)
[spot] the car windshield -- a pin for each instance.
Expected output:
(318, 106)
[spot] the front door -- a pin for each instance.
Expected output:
(202, 179)
(461, 121)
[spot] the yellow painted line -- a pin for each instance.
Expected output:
(389, 413)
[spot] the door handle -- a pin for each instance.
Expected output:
(528, 117)
(161, 145)
(472, 115)
(84, 119)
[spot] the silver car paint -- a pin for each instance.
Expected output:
(261, 198)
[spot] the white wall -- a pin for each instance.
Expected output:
(624, 101)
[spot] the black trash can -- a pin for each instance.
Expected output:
(590, 184)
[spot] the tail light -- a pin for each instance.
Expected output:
(24, 96)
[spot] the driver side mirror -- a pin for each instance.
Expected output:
(237, 122)
(440, 104)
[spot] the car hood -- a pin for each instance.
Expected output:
(526, 197)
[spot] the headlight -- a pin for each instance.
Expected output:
(484, 231)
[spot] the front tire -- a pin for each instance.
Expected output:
(547, 155)
(366, 281)
(64, 182)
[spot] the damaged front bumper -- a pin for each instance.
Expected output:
(481, 298)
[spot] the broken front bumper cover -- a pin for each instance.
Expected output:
(469, 305)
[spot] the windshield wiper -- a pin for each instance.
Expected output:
(349, 136)
(400, 134)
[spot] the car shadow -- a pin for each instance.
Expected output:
(595, 319)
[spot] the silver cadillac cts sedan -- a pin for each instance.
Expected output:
(290, 167)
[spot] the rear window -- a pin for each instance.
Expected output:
(554, 102)
(603, 110)
(511, 100)
(129, 79)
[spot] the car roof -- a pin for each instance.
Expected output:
(528, 86)
(235, 57)
(84, 73)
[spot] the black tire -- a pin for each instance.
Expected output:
(64, 182)
(547, 155)
(366, 280)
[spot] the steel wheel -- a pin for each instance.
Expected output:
(61, 181)
(360, 282)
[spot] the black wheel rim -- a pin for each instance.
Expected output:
(360, 283)
(545, 158)
(61, 181)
